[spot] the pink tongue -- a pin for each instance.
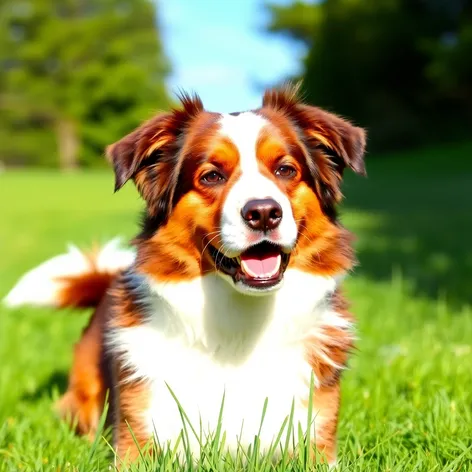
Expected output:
(262, 267)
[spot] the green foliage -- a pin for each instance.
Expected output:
(451, 66)
(76, 76)
(298, 21)
(406, 397)
(396, 66)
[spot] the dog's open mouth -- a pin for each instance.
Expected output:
(260, 266)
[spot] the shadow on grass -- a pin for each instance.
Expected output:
(56, 381)
(416, 221)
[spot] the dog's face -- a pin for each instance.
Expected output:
(244, 194)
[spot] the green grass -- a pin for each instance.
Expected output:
(407, 398)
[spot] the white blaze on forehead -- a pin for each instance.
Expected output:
(244, 131)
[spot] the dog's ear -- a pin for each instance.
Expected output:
(129, 154)
(337, 135)
(149, 155)
(333, 143)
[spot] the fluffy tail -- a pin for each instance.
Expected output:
(73, 279)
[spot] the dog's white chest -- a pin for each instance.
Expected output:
(204, 341)
(199, 383)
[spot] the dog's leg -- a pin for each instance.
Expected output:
(84, 400)
(132, 435)
(328, 352)
(325, 410)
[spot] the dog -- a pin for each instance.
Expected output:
(232, 288)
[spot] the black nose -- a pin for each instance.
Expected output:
(262, 215)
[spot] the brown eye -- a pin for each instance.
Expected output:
(212, 178)
(285, 171)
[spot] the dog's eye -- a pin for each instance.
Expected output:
(285, 171)
(213, 177)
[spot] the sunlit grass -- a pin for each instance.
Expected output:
(407, 397)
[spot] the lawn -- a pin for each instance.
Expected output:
(407, 397)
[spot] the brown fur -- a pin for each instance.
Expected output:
(84, 291)
(84, 399)
(326, 404)
(130, 435)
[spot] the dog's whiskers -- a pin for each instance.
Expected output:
(212, 239)
(223, 254)
(303, 234)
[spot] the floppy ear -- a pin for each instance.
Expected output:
(346, 141)
(332, 142)
(149, 156)
(129, 153)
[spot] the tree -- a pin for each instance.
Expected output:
(450, 68)
(76, 75)
(387, 64)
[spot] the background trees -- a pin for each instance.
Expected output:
(401, 67)
(75, 76)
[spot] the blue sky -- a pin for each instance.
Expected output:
(218, 48)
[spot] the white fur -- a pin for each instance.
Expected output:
(204, 339)
(244, 131)
(42, 285)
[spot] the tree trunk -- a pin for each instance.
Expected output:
(67, 144)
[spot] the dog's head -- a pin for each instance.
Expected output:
(243, 194)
